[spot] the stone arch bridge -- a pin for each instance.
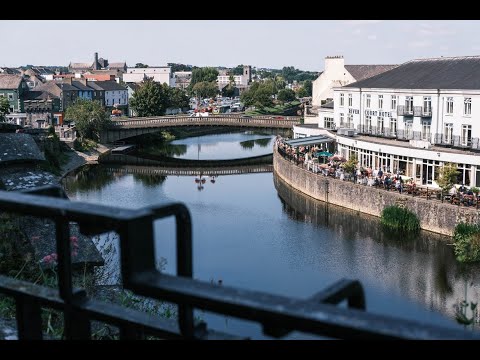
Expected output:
(122, 129)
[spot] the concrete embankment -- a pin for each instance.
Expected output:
(433, 215)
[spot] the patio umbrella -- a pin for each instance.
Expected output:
(324, 154)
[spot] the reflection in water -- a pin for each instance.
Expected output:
(423, 268)
(225, 146)
(150, 180)
(88, 178)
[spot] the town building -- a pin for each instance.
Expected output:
(336, 73)
(13, 88)
(97, 64)
(116, 95)
(160, 74)
(39, 108)
(241, 82)
(412, 119)
(182, 79)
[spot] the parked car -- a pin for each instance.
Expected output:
(278, 117)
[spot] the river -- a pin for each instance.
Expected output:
(254, 231)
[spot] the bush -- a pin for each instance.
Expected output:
(466, 238)
(397, 218)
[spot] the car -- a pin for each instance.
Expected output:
(278, 117)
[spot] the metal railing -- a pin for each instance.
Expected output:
(279, 315)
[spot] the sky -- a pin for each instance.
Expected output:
(261, 43)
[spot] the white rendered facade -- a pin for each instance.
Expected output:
(430, 119)
(116, 97)
(161, 74)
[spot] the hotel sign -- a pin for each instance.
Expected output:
(353, 111)
(378, 113)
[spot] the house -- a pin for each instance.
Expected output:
(84, 91)
(116, 95)
(65, 91)
(182, 79)
(40, 107)
(98, 92)
(131, 88)
(97, 64)
(13, 88)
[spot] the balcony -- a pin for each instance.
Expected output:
(426, 112)
(402, 110)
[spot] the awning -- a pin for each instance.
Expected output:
(311, 140)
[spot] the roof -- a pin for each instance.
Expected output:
(38, 95)
(94, 86)
(50, 87)
(117, 65)
(310, 140)
(8, 81)
(433, 73)
(361, 72)
(110, 85)
(12, 71)
(133, 86)
(80, 86)
(81, 65)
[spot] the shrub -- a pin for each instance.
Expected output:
(466, 238)
(397, 218)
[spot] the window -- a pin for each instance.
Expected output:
(408, 130)
(393, 126)
(342, 99)
(350, 121)
(467, 106)
(10, 96)
(394, 102)
(380, 101)
(368, 124)
(380, 125)
(368, 102)
(2, 95)
(341, 119)
(12, 109)
(466, 135)
(426, 130)
(328, 123)
(427, 105)
(350, 100)
(449, 105)
(448, 134)
(409, 104)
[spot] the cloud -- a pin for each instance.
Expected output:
(420, 44)
(372, 37)
(362, 22)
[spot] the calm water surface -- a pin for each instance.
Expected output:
(254, 231)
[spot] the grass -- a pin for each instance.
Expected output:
(466, 238)
(400, 219)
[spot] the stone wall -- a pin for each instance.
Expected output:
(433, 215)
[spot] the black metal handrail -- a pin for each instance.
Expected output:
(278, 315)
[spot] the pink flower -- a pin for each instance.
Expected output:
(50, 258)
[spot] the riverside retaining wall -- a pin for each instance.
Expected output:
(433, 215)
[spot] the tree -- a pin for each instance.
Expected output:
(447, 177)
(90, 118)
(308, 85)
(302, 92)
(205, 89)
(238, 70)
(140, 65)
(177, 98)
(207, 74)
(4, 107)
(179, 67)
(286, 95)
(350, 164)
(150, 99)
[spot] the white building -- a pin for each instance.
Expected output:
(116, 95)
(161, 74)
(336, 73)
(413, 119)
(241, 81)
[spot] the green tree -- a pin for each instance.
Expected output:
(90, 118)
(350, 164)
(238, 70)
(259, 94)
(207, 74)
(4, 107)
(140, 65)
(177, 98)
(205, 89)
(302, 92)
(447, 177)
(151, 99)
(286, 95)
(308, 85)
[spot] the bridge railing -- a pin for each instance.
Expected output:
(146, 122)
(278, 315)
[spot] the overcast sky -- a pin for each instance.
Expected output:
(260, 43)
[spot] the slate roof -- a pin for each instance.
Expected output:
(94, 85)
(361, 72)
(328, 105)
(433, 73)
(117, 65)
(110, 85)
(18, 148)
(8, 81)
(38, 95)
(79, 86)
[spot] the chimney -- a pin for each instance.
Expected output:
(67, 80)
(95, 64)
(83, 81)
